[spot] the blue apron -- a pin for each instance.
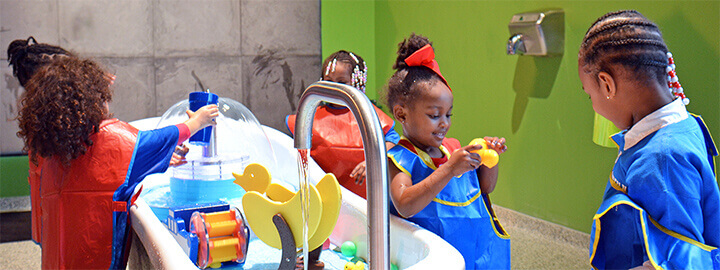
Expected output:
(460, 214)
(624, 235)
(632, 237)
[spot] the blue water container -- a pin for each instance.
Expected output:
(197, 100)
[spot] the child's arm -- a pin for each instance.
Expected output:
(199, 119)
(410, 199)
(487, 177)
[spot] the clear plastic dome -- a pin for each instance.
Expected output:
(239, 140)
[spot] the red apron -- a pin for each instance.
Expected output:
(337, 144)
(77, 200)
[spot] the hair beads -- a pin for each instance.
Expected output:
(359, 77)
(359, 74)
(673, 83)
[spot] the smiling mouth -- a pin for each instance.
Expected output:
(439, 136)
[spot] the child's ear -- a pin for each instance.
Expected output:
(607, 84)
(399, 113)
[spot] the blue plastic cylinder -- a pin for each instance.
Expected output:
(198, 100)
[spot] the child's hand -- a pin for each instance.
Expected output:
(178, 156)
(204, 116)
(359, 173)
(201, 118)
(177, 160)
(462, 160)
(497, 144)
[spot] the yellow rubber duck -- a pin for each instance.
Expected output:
(488, 157)
(263, 200)
(355, 266)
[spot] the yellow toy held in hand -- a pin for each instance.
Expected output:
(489, 157)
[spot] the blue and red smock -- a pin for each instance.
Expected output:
(84, 206)
(460, 213)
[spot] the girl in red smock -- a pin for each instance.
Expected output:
(336, 143)
(91, 162)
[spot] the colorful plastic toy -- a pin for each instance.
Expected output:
(489, 157)
(210, 233)
(222, 236)
(264, 200)
(355, 265)
(348, 249)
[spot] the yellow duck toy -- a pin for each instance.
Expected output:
(263, 200)
(355, 266)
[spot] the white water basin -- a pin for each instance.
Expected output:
(411, 247)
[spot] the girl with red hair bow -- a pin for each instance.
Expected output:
(435, 182)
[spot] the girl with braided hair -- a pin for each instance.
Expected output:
(662, 191)
(434, 181)
(26, 56)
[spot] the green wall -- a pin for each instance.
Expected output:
(14, 176)
(552, 169)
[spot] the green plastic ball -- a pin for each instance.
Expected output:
(393, 266)
(348, 249)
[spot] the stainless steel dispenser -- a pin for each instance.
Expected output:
(537, 33)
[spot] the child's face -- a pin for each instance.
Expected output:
(427, 120)
(340, 75)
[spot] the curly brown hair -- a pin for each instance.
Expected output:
(64, 106)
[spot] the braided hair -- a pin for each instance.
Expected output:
(402, 87)
(26, 56)
(359, 71)
(627, 38)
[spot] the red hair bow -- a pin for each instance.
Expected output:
(425, 56)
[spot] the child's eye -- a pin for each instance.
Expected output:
(433, 116)
(449, 115)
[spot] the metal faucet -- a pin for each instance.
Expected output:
(375, 157)
(516, 45)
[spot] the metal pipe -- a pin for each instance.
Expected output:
(375, 157)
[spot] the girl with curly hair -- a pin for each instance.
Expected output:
(92, 162)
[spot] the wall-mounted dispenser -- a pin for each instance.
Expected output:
(537, 33)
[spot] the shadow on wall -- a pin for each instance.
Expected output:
(534, 78)
(272, 68)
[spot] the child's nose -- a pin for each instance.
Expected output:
(444, 122)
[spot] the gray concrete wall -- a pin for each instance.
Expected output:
(262, 53)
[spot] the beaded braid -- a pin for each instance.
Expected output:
(359, 73)
(626, 37)
(673, 83)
